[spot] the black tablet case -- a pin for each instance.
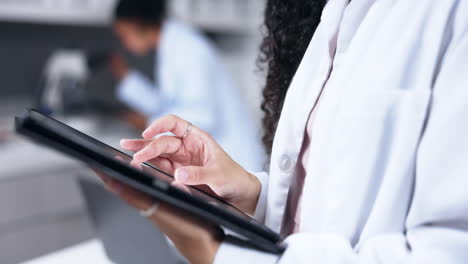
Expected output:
(63, 138)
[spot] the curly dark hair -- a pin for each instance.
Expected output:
(289, 27)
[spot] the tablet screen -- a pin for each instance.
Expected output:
(148, 169)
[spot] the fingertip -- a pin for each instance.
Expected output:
(137, 157)
(141, 157)
(123, 143)
(146, 134)
(136, 164)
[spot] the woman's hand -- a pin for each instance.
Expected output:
(197, 240)
(196, 160)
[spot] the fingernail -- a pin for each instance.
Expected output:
(181, 175)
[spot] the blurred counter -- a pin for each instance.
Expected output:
(87, 252)
(41, 204)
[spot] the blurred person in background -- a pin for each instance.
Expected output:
(191, 81)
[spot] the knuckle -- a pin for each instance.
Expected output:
(160, 141)
(202, 133)
(199, 131)
(154, 145)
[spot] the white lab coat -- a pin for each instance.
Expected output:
(193, 84)
(389, 152)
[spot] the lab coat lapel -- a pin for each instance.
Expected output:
(302, 95)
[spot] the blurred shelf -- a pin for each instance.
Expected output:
(236, 16)
(73, 12)
(226, 16)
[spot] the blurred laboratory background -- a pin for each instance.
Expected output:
(55, 53)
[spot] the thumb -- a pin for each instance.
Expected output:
(195, 175)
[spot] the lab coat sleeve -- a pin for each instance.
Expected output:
(140, 93)
(228, 251)
(260, 210)
(437, 222)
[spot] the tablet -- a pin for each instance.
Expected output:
(49, 132)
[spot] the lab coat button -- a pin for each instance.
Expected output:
(285, 163)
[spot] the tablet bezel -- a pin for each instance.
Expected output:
(81, 149)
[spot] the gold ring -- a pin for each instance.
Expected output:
(187, 132)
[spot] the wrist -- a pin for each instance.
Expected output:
(254, 194)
